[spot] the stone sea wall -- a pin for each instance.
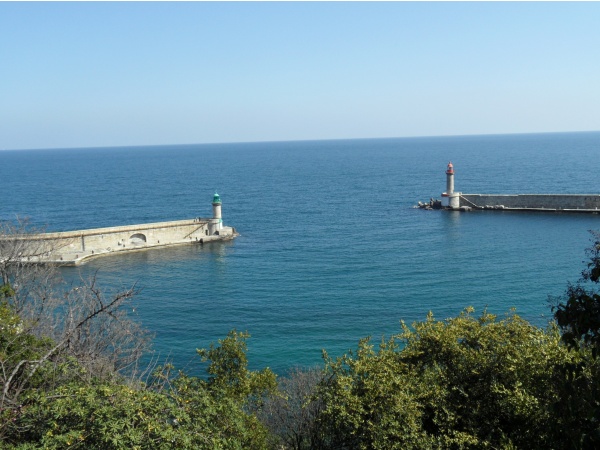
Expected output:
(73, 247)
(555, 202)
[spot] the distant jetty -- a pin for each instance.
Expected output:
(457, 201)
(75, 247)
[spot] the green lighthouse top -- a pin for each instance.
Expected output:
(216, 199)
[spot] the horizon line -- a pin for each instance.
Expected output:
(91, 147)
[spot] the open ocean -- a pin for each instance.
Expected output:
(331, 249)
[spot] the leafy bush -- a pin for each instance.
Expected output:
(464, 382)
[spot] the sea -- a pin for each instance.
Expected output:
(331, 246)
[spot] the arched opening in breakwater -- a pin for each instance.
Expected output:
(137, 239)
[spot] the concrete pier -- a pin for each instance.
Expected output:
(75, 247)
(578, 203)
(457, 201)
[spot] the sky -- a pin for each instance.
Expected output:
(152, 73)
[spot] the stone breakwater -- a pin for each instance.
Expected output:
(74, 247)
(457, 201)
(583, 203)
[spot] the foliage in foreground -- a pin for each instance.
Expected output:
(469, 382)
(578, 314)
(465, 382)
(172, 411)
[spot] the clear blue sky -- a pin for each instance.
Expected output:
(104, 74)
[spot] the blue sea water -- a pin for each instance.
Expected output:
(331, 249)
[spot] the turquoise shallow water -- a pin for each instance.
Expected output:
(331, 248)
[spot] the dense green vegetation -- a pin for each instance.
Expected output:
(71, 379)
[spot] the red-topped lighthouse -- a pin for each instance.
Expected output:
(450, 179)
(450, 199)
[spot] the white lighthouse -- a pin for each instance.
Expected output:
(450, 179)
(450, 199)
(216, 223)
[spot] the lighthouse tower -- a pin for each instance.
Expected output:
(216, 223)
(450, 199)
(450, 179)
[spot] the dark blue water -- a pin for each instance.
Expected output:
(331, 248)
